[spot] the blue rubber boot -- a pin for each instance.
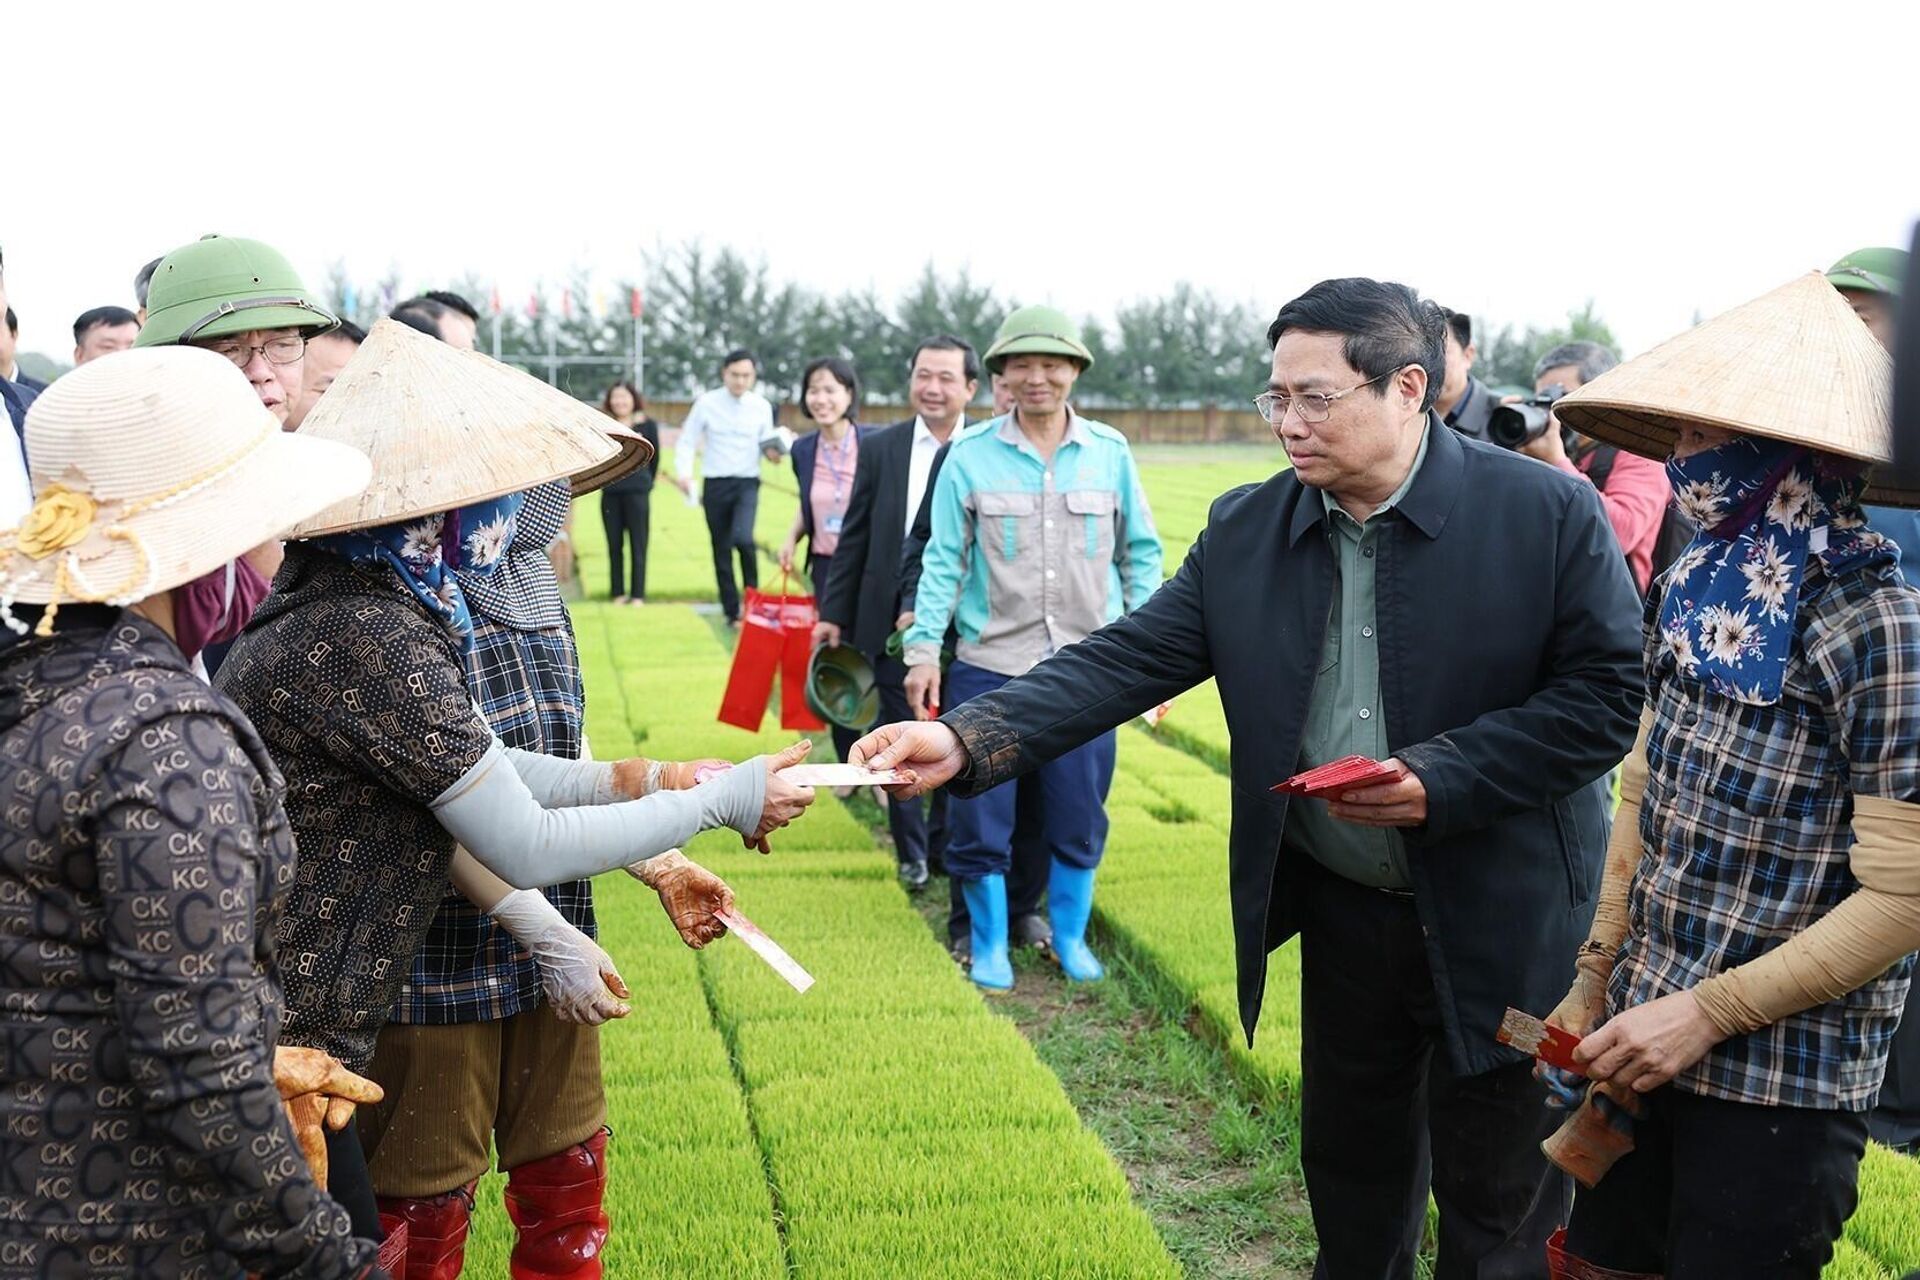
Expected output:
(1069, 904)
(986, 898)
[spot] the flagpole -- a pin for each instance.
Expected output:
(637, 306)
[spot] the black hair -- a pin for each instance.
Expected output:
(143, 279)
(99, 316)
(946, 342)
(842, 373)
(606, 401)
(423, 314)
(13, 323)
(1387, 327)
(1461, 324)
(350, 331)
(736, 355)
(453, 302)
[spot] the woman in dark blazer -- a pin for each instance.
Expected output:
(625, 504)
(824, 462)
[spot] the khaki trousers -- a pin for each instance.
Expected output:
(528, 1086)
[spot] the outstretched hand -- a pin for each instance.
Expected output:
(693, 896)
(931, 751)
(784, 801)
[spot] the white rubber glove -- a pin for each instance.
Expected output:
(577, 976)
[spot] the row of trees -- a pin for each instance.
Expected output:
(1186, 348)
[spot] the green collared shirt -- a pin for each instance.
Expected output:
(1344, 718)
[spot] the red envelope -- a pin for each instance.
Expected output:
(1529, 1034)
(1349, 773)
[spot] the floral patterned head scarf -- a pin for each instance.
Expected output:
(425, 553)
(1763, 507)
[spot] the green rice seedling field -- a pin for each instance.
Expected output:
(884, 1123)
(888, 1122)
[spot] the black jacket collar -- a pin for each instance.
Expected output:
(1427, 504)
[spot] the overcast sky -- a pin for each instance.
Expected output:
(1661, 158)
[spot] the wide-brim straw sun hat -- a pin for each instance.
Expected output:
(151, 467)
(446, 428)
(1795, 364)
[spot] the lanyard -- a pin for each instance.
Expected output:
(839, 476)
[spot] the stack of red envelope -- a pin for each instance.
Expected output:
(1349, 773)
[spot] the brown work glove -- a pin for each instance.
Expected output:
(307, 1113)
(692, 895)
(300, 1072)
(639, 776)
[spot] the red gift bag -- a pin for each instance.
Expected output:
(797, 616)
(776, 635)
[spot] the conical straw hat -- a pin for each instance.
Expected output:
(1795, 364)
(152, 467)
(634, 452)
(445, 428)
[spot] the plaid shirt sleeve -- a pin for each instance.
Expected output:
(1868, 667)
(527, 684)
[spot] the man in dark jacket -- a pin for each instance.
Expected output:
(1464, 616)
(860, 602)
(1463, 401)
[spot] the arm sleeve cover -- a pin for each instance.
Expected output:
(492, 812)
(1856, 942)
(559, 783)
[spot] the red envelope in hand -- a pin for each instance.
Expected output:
(1349, 773)
(1529, 1034)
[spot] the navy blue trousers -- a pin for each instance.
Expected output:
(1072, 798)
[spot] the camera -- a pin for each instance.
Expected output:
(1513, 425)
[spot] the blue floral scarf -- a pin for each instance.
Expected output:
(426, 553)
(1763, 507)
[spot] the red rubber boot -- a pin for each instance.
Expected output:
(436, 1232)
(1562, 1265)
(556, 1207)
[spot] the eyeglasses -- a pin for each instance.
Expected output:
(1312, 406)
(276, 350)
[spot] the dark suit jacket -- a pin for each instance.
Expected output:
(1509, 676)
(17, 401)
(1470, 416)
(806, 453)
(862, 595)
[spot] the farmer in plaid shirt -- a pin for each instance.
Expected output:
(492, 1043)
(1753, 941)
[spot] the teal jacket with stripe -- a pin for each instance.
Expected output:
(1028, 557)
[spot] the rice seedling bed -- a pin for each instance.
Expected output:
(885, 1123)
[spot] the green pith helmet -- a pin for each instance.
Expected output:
(1870, 271)
(1037, 331)
(222, 285)
(841, 688)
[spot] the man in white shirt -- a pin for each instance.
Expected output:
(733, 425)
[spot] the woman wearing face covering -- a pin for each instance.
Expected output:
(145, 855)
(354, 670)
(1751, 950)
(492, 1053)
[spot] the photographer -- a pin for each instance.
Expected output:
(1634, 490)
(1464, 403)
